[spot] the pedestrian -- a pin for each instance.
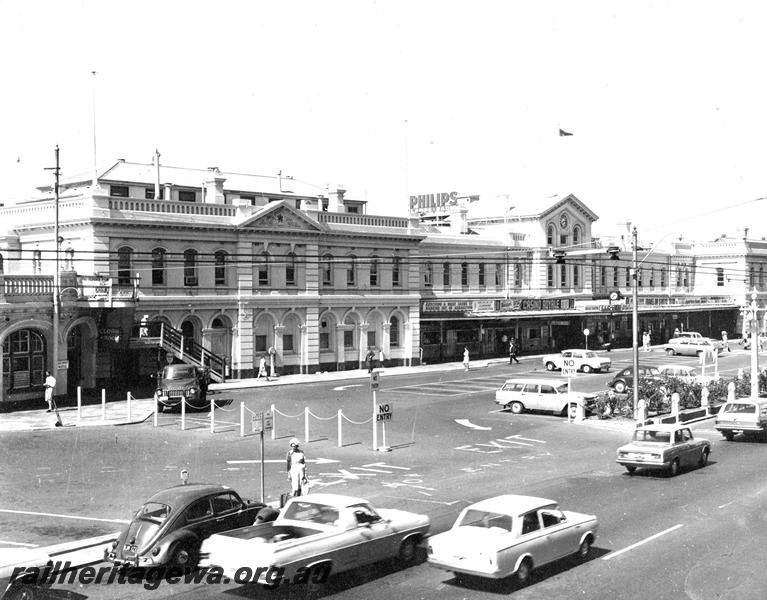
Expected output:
(645, 341)
(369, 358)
(262, 368)
(725, 342)
(465, 358)
(50, 387)
(296, 466)
(513, 351)
(676, 332)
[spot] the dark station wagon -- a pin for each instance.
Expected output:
(169, 528)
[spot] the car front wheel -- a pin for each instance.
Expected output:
(516, 407)
(550, 366)
(584, 549)
(407, 551)
(620, 386)
(587, 369)
(524, 571)
(670, 351)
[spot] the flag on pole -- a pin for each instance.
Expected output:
(563, 133)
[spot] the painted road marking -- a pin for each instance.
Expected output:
(644, 541)
(42, 514)
(18, 544)
(467, 423)
(346, 387)
(318, 461)
(500, 444)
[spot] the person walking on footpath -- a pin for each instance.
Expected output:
(513, 352)
(296, 466)
(262, 368)
(50, 386)
(465, 358)
(725, 342)
(370, 360)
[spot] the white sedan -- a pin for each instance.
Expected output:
(580, 360)
(684, 372)
(511, 535)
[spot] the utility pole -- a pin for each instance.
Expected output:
(635, 324)
(54, 369)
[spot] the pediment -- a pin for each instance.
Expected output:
(280, 216)
(574, 204)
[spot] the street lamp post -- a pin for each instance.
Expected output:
(754, 323)
(635, 322)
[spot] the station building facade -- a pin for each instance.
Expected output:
(242, 267)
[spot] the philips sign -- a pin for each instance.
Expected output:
(432, 203)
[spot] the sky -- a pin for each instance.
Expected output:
(665, 100)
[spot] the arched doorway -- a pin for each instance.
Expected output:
(220, 336)
(74, 358)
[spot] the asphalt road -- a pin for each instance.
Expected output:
(697, 535)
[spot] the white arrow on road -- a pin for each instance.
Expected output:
(467, 423)
(317, 461)
(346, 387)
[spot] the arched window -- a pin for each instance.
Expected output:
(327, 269)
(124, 265)
(219, 268)
(190, 267)
(550, 235)
(394, 331)
(577, 235)
(428, 274)
(263, 269)
(374, 271)
(24, 361)
(290, 269)
(158, 266)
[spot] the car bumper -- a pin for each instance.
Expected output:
(456, 567)
(136, 561)
(648, 464)
(724, 426)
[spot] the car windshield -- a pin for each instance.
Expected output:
(739, 408)
(179, 372)
(481, 518)
(312, 512)
(154, 511)
(652, 435)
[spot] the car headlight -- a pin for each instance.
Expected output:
(155, 551)
(655, 456)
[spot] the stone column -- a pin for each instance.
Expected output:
(304, 349)
(386, 342)
(363, 345)
(278, 349)
(340, 348)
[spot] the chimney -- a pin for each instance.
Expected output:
(214, 187)
(157, 174)
(457, 219)
(336, 200)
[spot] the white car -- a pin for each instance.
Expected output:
(511, 535)
(582, 360)
(683, 372)
(551, 395)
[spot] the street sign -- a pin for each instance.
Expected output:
(374, 385)
(63, 365)
(262, 421)
(385, 412)
(568, 366)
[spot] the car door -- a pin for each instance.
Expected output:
(378, 541)
(558, 534)
(532, 539)
(531, 396)
(226, 512)
(687, 447)
(198, 517)
(549, 399)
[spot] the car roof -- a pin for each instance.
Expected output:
(663, 427)
(550, 380)
(761, 400)
(676, 366)
(334, 500)
(180, 495)
(511, 504)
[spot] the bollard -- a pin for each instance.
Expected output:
(212, 416)
(103, 404)
(183, 412)
(340, 419)
(675, 399)
(156, 408)
(274, 423)
(127, 397)
(306, 425)
(242, 419)
(79, 402)
(731, 391)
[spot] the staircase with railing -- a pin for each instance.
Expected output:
(183, 348)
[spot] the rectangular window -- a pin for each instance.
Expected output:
(464, 274)
(628, 277)
(394, 336)
(603, 276)
(290, 270)
(481, 274)
(287, 342)
(324, 340)
(576, 276)
(158, 267)
(260, 343)
(563, 276)
(720, 277)
(396, 269)
(351, 273)
(518, 275)
(373, 273)
(353, 210)
(348, 338)
(446, 275)
(246, 199)
(550, 275)
(149, 193)
(498, 271)
(187, 196)
(615, 277)
(372, 339)
(263, 270)
(219, 269)
(563, 239)
(120, 191)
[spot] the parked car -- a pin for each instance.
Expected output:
(624, 379)
(583, 360)
(692, 347)
(689, 335)
(551, 395)
(684, 372)
(743, 415)
(511, 535)
(327, 532)
(664, 447)
(20, 570)
(169, 527)
(185, 381)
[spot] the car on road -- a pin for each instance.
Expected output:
(686, 373)
(692, 347)
(179, 382)
(624, 379)
(20, 573)
(582, 360)
(667, 447)
(169, 527)
(510, 536)
(743, 415)
(328, 533)
(551, 395)
(689, 335)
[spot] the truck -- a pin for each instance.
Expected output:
(182, 381)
